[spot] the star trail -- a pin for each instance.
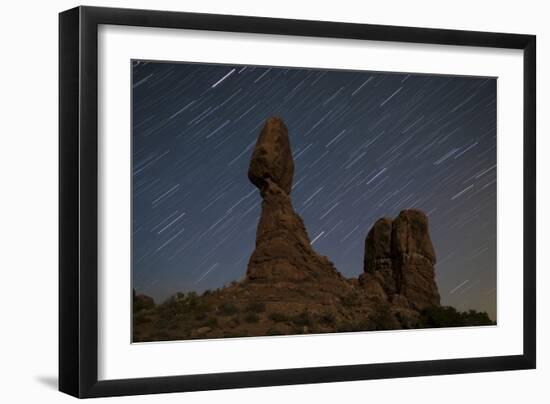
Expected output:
(365, 145)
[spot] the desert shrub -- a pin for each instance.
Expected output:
(142, 302)
(404, 321)
(278, 317)
(241, 333)
(345, 326)
(328, 318)
(182, 304)
(255, 307)
(352, 326)
(234, 333)
(141, 318)
(382, 318)
(444, 316)
(477, 318)
(274, 331)
(160, 336)
(440, 317)
(303, 319)
(201, 311)
(252, 318)
(210, 322)
(190, 299)
(200, 315)
(228, 309)
(350, 300)
(235, 321)
(162, 323)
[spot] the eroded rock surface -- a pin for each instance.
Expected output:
(288, 287)
(283, 249)
(400, 259)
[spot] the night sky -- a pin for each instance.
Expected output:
(365, 145)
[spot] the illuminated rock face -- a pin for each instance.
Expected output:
(289, 288)
(272, 157)
(400, 258)
(283, 249)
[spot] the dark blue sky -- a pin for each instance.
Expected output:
(366, 145)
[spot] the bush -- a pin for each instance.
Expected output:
(350, 300)
(303, 319)
(241, 333)
(444, 316)
(346, 326)
(210, 322)
(160, 336)
(382, 319)
(142, 302)
(182, 304)
(200, 315)
(278, 317)
(235, 321)
(252, 318)
(141, 318)
(274, 331)
(352, 326)
(328, 318)
(255, 307)
(228, 309)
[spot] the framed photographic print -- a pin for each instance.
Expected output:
(250, 201)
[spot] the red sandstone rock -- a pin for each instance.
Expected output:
(283, 249)
(400, 257)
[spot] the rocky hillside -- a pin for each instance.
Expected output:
(290, 289)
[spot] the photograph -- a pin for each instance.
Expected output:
(271, 201)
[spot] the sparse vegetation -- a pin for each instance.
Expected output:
(445, 316)
(303, 319)
(278, 317)
(289, 288)
(141, 318)
(252, 318)
(350, 300)
(188, 315)
(210, 322)
(141, 302)
(241, 333)
(274, 331)
(328, 318)
(200, 315)
(228, 309)
(382, 318)
(255, 307)
(235, 321)
(352, 326)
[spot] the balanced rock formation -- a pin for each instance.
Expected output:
(399, 261)
(289, 288)
(283, 249)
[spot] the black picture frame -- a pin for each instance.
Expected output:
(78, 201)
